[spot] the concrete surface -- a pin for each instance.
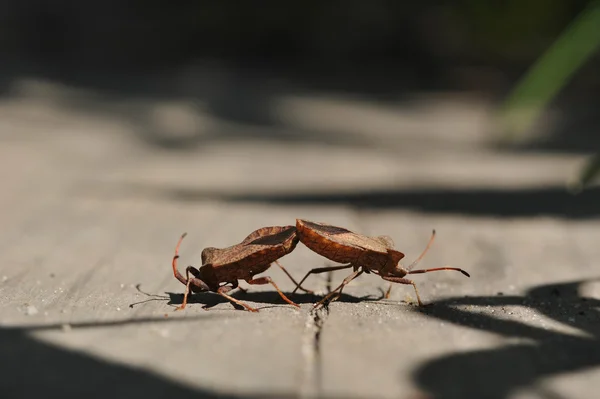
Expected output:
(90, 211)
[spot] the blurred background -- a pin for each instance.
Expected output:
(125, 123)
(484, 108)
(189, 73)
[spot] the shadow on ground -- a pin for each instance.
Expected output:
(499, 373)
(241, 100)
(553, 201)
(31, 367)
(233, 101)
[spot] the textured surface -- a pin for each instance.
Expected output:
(90, 211)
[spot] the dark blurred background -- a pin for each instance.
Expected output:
(468, 44)
(380, 49)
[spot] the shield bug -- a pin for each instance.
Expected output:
(223, 267)
(362, 253)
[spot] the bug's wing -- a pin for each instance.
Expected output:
(366, 242)
(263, 239)
(385, 240)
(256, 234)
(323, 228)
(263, 232)
(273, 246)
(276, 238)
(389, 243)
(347, 237)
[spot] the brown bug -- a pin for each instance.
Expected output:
(362, 253)
(242, 261)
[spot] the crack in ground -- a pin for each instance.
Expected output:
(311, 349)
(312, 384)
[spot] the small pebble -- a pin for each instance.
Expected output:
(118, 309)
(4, 278)
(31, 310)
(122, 286)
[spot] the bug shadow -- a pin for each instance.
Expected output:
(209, 299)
(499, 372)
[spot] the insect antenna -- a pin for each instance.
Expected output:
(434, 269)
(178, 275)
(423, 253)
(438, 269)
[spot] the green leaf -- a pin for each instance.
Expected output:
(551, 72)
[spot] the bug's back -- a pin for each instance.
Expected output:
(339, 244)
(253, 255)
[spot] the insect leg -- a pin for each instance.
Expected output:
(237, 285)
(401, 280)
(193, 280)
(268, 280)
(347, 281)
(321, 270)
(340, 287)
(293, 280)
(222, 291)
(387, 293)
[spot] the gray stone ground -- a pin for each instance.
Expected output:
(91, 208)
